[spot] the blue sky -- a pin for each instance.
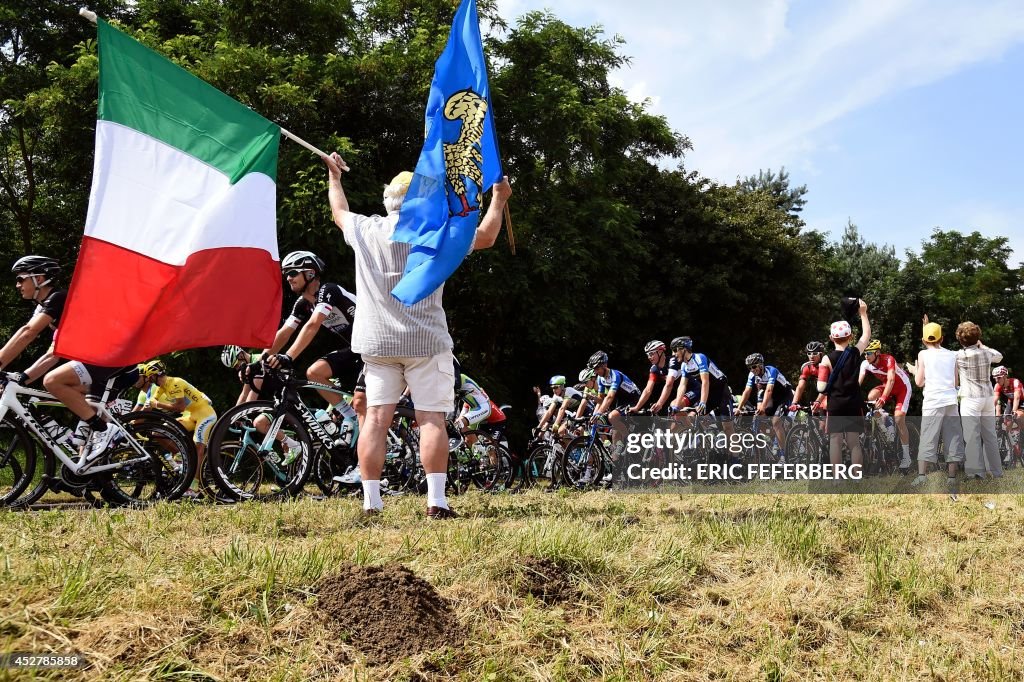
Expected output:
(900, 115)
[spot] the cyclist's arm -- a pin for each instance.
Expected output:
(744, 398)
(548, 412)
(1016, 400)
(609, 400)
(666, 393)
(44, 364)
(281, 338)
(24, 336)
(705, 386)
(561, 413)
(766, 398)
(890, 382)
(799, 391)
(306, 335)
(642, 400)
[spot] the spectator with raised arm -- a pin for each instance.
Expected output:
(838, 374)
(936, 372)
(401, 346)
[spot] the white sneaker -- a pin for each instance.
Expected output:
(292, 454)
(99, 442)
(350, 477)
(905, 462)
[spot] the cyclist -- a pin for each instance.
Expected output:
(560, 395)
(776, 394)
(809, 377)
(33, 277)
(74, 383)
(713, 394)
(657, 380)
(173, 394)
(237, 358)
(581, 405)
(615, 391)
(320, 304)
(894, 384)
(1012, 391)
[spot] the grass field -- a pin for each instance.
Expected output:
(566, 586)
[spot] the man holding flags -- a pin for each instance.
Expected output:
(403, 259)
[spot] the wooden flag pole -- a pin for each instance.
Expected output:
(511, 237)
(91, 16)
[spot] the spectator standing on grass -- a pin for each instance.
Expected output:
(936, 371)
(977, 406)
(401, 346)
(838, 374)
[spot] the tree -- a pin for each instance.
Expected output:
(776, 185)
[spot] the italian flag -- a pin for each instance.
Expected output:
(180, 245)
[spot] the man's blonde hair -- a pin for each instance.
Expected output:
(394, 192)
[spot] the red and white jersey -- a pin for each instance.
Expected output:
(1013, 387)
(880, 368)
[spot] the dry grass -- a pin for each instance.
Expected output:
(732, 587)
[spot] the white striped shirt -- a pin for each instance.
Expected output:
(385, 327)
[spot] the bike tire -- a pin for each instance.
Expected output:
(17, 461)
(240, 470)
(166, 474)
(542, 466)
(580, 454)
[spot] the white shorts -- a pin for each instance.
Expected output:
(430, 380)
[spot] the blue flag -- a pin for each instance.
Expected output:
(458, 164)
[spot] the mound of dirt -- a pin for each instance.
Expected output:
(543, 579)
(386, 612)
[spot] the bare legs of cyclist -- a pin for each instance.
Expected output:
(852, 441)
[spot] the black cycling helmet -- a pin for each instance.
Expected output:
(302, 260)
(754, 359)
(597, 359)
(815, 347)
(36, 265)
(682, 342)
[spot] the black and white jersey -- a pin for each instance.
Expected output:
(337, 305)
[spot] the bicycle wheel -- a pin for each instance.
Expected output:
(583, 462)
(17, 460)
(241, 470)
(800, 446)
(542, 465)
(488, 463)
(164, 470)
(177, 466)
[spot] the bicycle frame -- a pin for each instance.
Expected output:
(9, 403)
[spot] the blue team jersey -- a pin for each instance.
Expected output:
(697, 364)
(770, 377)
(615, 381)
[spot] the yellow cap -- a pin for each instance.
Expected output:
(403, 178)
(932, 333)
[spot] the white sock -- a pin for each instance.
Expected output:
(371, 495)
(435, 490)
(906, 449)
(345, 410)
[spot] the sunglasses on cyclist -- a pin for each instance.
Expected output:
(817, 352)
(21, 278)
(293, 273)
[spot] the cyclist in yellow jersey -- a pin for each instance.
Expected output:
(173, 394)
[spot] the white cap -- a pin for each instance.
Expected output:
(840, 329)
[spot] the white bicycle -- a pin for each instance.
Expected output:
(150, 457)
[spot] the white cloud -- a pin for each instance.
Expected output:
(756, 83)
